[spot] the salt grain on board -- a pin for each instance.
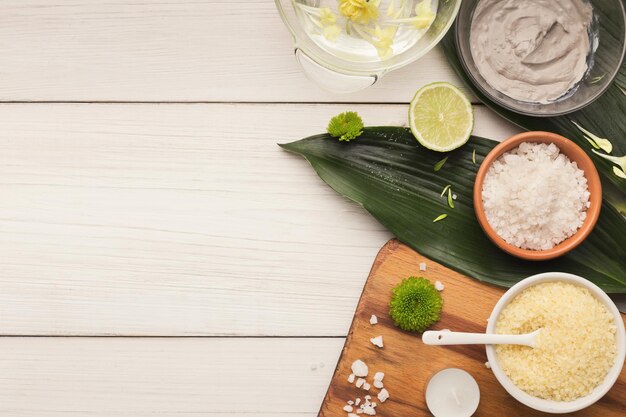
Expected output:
(373, 320)
(383, 395)
(378, 376)
(351, 378)
(359, 368)
(378, 384)
(366, 386)
(377, 341)
(439, 286)
(348, 408)
(422, 266)
(360, 382)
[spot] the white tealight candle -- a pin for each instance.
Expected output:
(452, 393)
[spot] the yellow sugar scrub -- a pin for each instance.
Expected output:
(574, 350)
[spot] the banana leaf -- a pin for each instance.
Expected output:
(387, 173)
(604, 118)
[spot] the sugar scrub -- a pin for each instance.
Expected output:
(534, 197)
(575, 348)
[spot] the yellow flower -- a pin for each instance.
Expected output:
(424, 15)
(360, 11)
(384, 40)
(332, 32)
(327, 17)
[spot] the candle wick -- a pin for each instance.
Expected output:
(456, 397)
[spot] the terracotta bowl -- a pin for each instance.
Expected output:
(574, 153)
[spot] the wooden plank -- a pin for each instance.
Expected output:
(132, 377)
(408, 363)
(178, 220)
(153, 50)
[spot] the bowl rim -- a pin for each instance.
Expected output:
(549, 406)
(500, 102)
(593, 181)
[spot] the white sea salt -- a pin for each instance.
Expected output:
(379, 376)
(377, 341)
(360, 382)
(422, 266)
(347, 408)
(535, 197)
(351, 378)
(359, 368)
(383, 395)
(439, 286)
(373, 320)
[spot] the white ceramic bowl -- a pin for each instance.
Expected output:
(548, 406)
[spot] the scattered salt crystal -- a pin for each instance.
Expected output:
(454, 196)
(359, 411)
(383, 395)
(360, 382)
(369, 410)
(357, 401)
(373, 320)
(488, 365)
(350, 402)
(348, 408)
(439, 286)
(368, 398)
(378, 376)
(378, 384)
(422, 266)
(351, 378)
(366, 386)
(535, 197)
(377, 341)
(359, 368)
(373, 404)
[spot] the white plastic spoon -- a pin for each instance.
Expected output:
(439, 337)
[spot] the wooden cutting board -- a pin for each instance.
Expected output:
(408, 363)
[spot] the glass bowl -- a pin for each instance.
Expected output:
(608, 30)
(340, 75)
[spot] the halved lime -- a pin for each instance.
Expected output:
(441, 117)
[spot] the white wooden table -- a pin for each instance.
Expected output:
(159, 254)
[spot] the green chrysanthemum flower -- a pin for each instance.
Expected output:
(415, 304)
(345, 126)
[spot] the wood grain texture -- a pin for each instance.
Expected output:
(146, 377)
(178, 220)
(155, 50)
(408, 363)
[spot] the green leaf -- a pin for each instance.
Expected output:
(393, 179)
(604, 116)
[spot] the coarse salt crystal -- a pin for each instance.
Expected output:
(351, 378)
(535, 197)
(366, 386)
(368, 398)
(439, 286)
(373, 320)
(487, 365)
(377, 341)
(378, 384)
(378, 376)
(348, 408)
(350, 402)
(360, 382)
(422, 266)
(359, 368)
(383, 395)
(369, 410)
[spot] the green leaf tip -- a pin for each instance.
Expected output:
(440, 217)
(415, 304)
(345, 126)
(474, 156)
(446, 188)
(450, 199)
(440, 164)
